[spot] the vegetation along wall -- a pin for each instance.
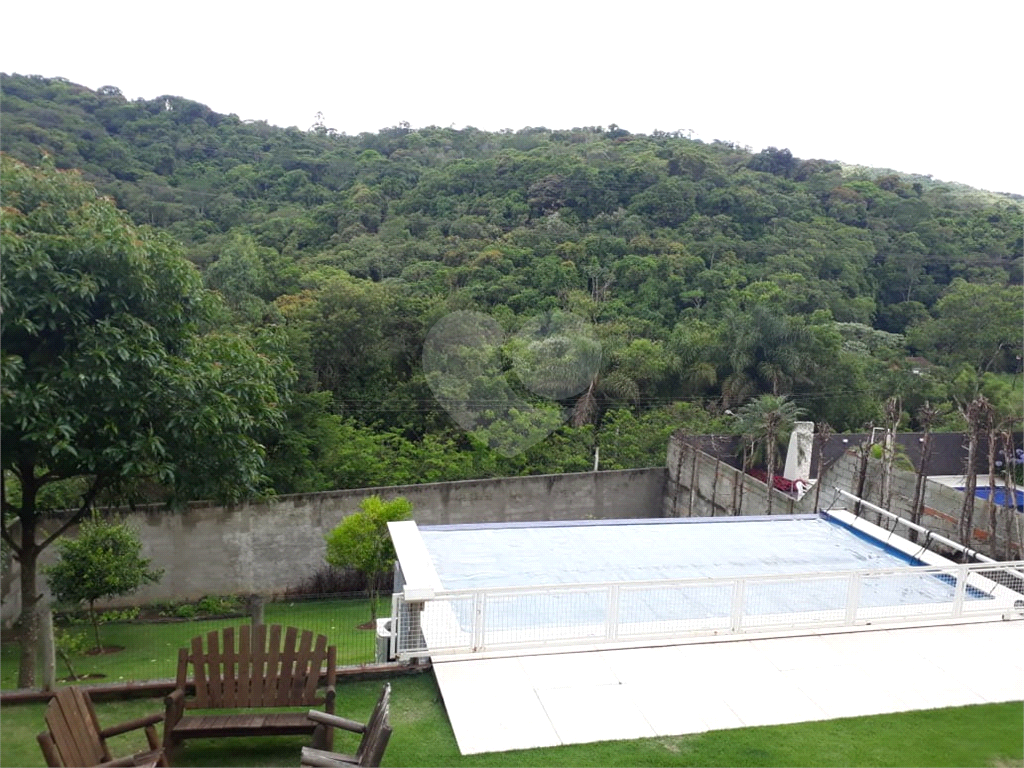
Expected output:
(268, 547)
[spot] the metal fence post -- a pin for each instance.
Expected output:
(852, 598)
(739, 587)
(961, 590)
(611, 624)
(479, 603)
(396, 625)
(256, 609)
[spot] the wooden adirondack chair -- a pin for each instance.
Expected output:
(271, 668)
(74, 737)
(376, 733)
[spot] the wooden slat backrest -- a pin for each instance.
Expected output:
(259, 665)
(214, 684)
(245, 665)
(72, 723)
(264, 670)
(230, 685)
(313, 668)
(198, 659)
(378, 720)
(375, 749)
(273, 671)
(282, 694)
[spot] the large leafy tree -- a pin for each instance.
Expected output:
(976, 324)
(112, 377)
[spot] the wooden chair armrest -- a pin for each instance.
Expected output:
(318, 758)
(131, 725)
(335, 721)
(329, 695)
(142, 759)
(50, 753)
(174, 709)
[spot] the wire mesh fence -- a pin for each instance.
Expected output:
(467, 621)
(140, 644)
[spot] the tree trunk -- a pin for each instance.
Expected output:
(29, 634)
(771, 469)
(862, 475)
(714, 484)
(95, 619)
(917, 510)
(990, 503)
(824, 433)
(1009, 490)
(49, 646)
(970, 484)
(927, 415)
(976, 414)
(693, 480)
(743, 481)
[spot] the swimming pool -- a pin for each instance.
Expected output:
(662, 550)
(492, 586)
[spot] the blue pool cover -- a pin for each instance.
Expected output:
(999, 496)
(592, 552)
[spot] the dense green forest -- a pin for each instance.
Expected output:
(710, 274)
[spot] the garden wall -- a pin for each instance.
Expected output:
(698, 484)
(268, 547)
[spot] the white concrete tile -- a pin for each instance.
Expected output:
(799, 652)
(492, 708)
(594, 713)
(843, 691)
(726, 658)
(862, 643)
(509, 703)
(770, 698)
(994, 684)
(646, 665)
(567, 670)
(498, 721)
(489, 673)
(672, 711)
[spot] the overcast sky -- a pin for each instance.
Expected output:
(920, 87)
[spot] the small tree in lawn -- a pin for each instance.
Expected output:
(361, 541)
(103, 562)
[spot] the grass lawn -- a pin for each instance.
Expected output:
(151, 650)
(986, 735)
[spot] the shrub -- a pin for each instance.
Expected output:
(103, 562)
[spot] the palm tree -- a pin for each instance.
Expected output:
(763, 423)
(767, 351)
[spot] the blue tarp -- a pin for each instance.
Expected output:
(1000, 496)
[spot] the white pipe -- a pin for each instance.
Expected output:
(931, 534)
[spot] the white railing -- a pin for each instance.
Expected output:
(479, 620)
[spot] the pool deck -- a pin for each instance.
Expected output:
(499, 704)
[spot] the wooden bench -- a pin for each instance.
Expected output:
(74, 736)
(376, 733)
(271, 668)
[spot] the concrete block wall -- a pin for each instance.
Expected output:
(691, 490)
(699, 485)
(942, 508)
(268, 547)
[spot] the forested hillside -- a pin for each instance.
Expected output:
(710, 274)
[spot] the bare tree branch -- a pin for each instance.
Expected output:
(87, 500)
